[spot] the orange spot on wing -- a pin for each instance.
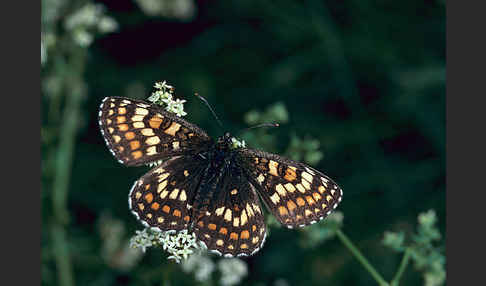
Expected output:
(282, 210)
(223, 230)
(166, 209)
(291, 205)
(234, 236)
(137, 154)
(129, 135)
(290, 175)
(149, 197)
(300, 201)
(123, 127)
(245, 234)
(177, 213)
(155, 206)
(212, 226)
(134, 144)
(155, 122)
(310, 201)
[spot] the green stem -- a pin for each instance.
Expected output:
(360, 257)
(401, 268)
(61, 254)
(63, 165)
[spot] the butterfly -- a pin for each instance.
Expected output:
(208, 186)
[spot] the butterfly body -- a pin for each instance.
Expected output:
(209, 186)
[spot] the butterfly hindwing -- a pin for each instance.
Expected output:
(295, 193)
(233, 224)
(137, 132)
(162, 198)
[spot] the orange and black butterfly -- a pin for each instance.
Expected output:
(209, 186)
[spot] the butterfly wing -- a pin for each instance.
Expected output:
(295, 193)
(233, 224)
(138, 133)
(162, 198)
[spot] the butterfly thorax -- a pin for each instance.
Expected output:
(223, 143)
(220, 162)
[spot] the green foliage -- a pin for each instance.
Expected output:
(261, 137)
(304, 149)
(277, 112)
(426, 256)
(316, 234)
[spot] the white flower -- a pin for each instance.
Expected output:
(233, 270)
(107, 24)
(163, 86)
(201, 265)
(163, 97)
(237, 144)
(180, 245)
(82, 37)
(177, 107)
(87, 17)
(142, 239)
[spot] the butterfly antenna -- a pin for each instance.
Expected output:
(258, 126)
(211, 109)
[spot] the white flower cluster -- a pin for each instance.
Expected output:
(179, 244)
(163, 96)
(201, 265)
(88, 19)
(233, 270)
(237, 144)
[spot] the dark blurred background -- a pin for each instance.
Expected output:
(364, 80)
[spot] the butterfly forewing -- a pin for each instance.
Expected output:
(138, 133)
(162, 197)
(233, 224)
(295, 193)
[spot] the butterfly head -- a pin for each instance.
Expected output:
(224, 142)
